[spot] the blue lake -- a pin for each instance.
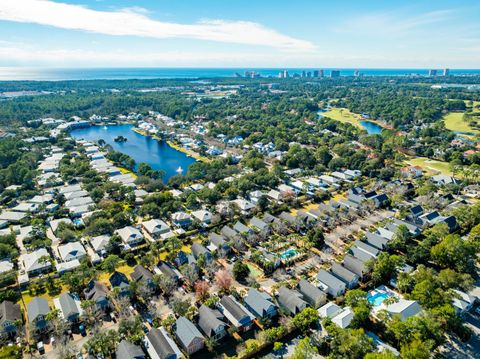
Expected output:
(371, 127)
(157, 154)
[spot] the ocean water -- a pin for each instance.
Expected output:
(57, 74)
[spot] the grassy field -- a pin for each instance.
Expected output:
(343, 115)
(454, 122)
(430, 166)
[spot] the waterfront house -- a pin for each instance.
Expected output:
(312, 294)
(210, 321)
(189, 337)
(236, 313)
(290, 301)
(260, 304)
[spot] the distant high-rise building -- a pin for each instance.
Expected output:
(304, 74)
(315, 73)
(309, 74)
(280, 74)
(334, 73)
(356, 73)
(432, 73)
(446, 72)
(285, 74)
(320, 73)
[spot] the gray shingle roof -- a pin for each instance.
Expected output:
(37, 306)
(186, 331)
(9, 311)
(291, 300)
(209, 320)
(69, 307)
(258, 302)
(127, 350)
(160, 344)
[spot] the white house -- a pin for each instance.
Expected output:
(131, 236)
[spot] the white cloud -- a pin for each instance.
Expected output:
(134, 22)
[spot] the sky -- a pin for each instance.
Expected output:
(246, 33)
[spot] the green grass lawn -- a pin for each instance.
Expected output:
(343, 115)
(430, 166)
(255, 271)
(454, 122)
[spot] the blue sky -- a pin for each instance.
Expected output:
(247, 33)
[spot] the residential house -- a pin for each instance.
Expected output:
(119, 280)
(236, 313)
(344, 318)
(329, 310)
(143, 275)
(167, 269)
(203, 216)
(100, 244)
(290, 300)
(330, 284)
(240, 228)
(181, 219)
(198, 251)
(260, 304)
(342, 273)
(403, 308)
(160, 345)
(98, 292)
(218, 243)
(376, 240)
(130, 235)
(72, 250)
(189, 337)
(37, 310)
(36, 262)
(155, 228)
(244, 205)
(10, 314)
(128, 350)
(259, 225)
(355, 265)
(312, 294)
(210, 321)
(69, 306)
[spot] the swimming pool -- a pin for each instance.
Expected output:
(378, 298)
(288, 254)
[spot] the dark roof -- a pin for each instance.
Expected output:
(127, 350)
(160, 343)
(140, 273)
(451, 223)
(9, 311)
(186, 331)
(376, 240)
(310, 291)
(258, 302)
(118, 279)
(95, 290)
(198, 249)
(258, 223)
(291, 300)
(233, 308)
(217, 240)
(209, 320)
(343, 273)
(228, 232)
(167, 270)
(241, 228)
(416, 210)
(354, 265)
